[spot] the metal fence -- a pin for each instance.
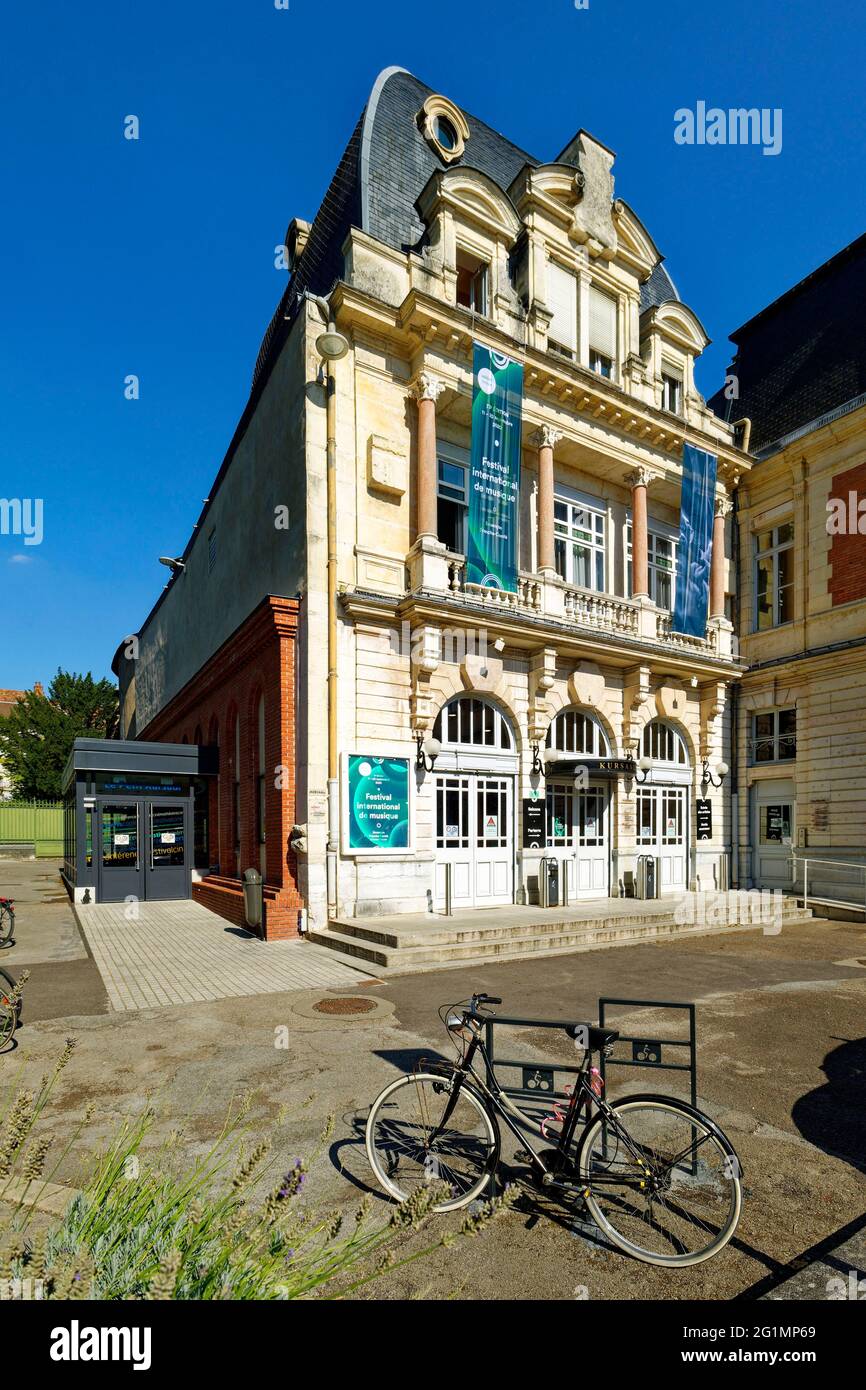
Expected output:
(37, 823)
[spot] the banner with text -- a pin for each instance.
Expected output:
(378, 793)
(696, 541)
(494, 471)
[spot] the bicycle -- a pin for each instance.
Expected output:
(658, 1177)
(7, 923)
(10, 1006)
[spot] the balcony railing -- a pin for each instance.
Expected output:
(602, 613)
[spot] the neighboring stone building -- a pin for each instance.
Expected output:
(800, 371)
(437, 233)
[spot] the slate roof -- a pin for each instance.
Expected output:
(384, 168)
(804, 355)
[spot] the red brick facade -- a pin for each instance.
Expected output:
(848, 551)
(256, 663)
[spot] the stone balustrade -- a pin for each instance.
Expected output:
(605, 614)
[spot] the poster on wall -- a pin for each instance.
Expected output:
(377, 802)
(697, 506)
(494, 470)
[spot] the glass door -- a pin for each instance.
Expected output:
(118, 839)
(167, 870)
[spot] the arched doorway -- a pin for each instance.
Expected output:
(474, 813)
(578, 805)
(663, 807)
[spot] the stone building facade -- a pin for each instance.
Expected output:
(800, 370)
(345, 488)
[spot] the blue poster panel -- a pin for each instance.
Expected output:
(378, 797)
(696, 542)
(494, 470)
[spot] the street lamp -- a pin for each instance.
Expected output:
(429, 749)
(644, 767)
(173, 565)
(721, 773)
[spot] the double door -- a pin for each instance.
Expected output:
(475, 835)
(662, 831)
(578, 835)
(142, 850)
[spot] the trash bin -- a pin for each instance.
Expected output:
(647, 877)
(253, 897)
(548, 881)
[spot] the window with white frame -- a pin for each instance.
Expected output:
(562, 302)
(663, 744)
(774, 576)
(472, 282)
(661, 566)
(468, 722)
(452, 501)
(602, 332)
(579, 543)
(774, 736)
(672, 391)
(577, 733)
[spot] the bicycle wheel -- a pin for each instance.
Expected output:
(409, 1146)
(671, 1195)
(7, 926)
(10, 1009)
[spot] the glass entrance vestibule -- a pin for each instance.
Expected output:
(129, 819)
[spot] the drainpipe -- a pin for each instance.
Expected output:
(332, 345)
(746, 426)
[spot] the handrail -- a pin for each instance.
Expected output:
(806, 860)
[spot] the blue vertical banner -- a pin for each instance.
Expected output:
(494, 470)
(696, 541)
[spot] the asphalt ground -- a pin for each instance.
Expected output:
(781, 1066)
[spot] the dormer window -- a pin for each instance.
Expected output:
(672, 393)
(472, 276)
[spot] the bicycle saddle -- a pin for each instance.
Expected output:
(597, 1038)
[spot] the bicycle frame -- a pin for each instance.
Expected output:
(583, 1096)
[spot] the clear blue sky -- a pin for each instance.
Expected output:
(156, 257)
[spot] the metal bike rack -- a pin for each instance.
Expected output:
(538, 1077)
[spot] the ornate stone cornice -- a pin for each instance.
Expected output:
(426, 387)
(546, 437)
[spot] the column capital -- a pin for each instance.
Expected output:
(545, 437)
(723, 506)
(640, 476)
(426, 387)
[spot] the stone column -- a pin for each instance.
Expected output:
(545, 440)
(717, 563)
(639, 481)
(427, 389)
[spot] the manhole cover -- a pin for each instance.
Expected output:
(344, 1006)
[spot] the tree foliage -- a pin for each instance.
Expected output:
(36, 739)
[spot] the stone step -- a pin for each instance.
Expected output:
(382, 959)
(487, 926)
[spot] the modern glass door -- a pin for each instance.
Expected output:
(119, 845)
(166, 870)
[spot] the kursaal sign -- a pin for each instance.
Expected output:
(494, 470)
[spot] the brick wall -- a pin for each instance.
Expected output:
(848, 552)
(257, 661)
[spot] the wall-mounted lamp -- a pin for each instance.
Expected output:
(549, 758)
(708, 778)
(429, 749)
(175, 565)
(644, 767)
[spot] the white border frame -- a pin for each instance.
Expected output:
(374, 852)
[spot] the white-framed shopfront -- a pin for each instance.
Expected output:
(476, 821)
